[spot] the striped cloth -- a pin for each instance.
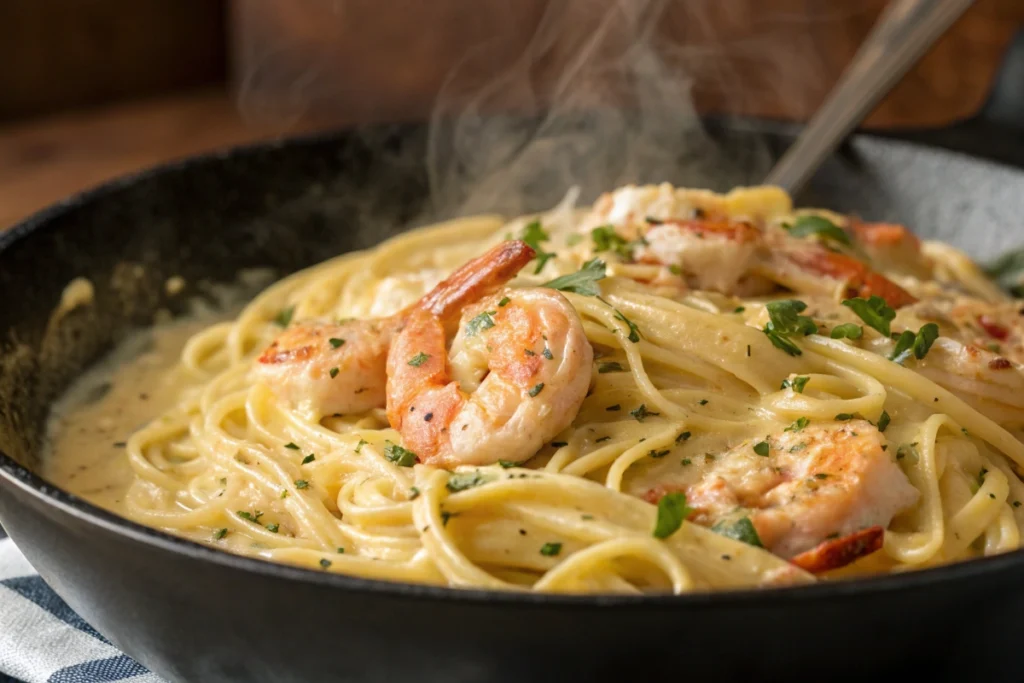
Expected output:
(43, 641)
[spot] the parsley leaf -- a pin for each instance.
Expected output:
(219, 534)
(672, 511)
(309, 458)
(533, 235)
(741, 530)
(250, 516)
(536, 389)
(606, 239)
(847, 331)
(845, 417)
(634, 331)
(273, 528)
(284, 318)
(642, 413)
(609, 366)
(762, 448)
(504, 302)
(301, 484)
(402, 457)
(583, 281)
(506, 464)
(550, 549)
(800, 423)
(657, 453)
(683, 437)
(482, 322)
(461, 481)
(291, 445)
(786, 321)
(805, 226)
(917, 344)
(419, 359)
(883, 421)
(336, 343)
(874, 312)
(797, 384)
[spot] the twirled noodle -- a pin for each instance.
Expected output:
(230, 464)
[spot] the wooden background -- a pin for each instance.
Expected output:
(91, 89)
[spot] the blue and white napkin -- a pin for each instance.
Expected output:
(43, 641)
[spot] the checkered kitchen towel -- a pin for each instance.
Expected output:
(42, 640)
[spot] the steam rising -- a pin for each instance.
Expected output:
(602, 95)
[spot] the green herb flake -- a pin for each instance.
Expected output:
(504, 302)
(325, 563)
(336, 343)
(918, 345)
(253, 517)
(821, 475)
(672, 511)
(675, 270)
(641, 413)
(419, 359)
(583, 281)
(786, 322)
(883, 421)
(535, 389)
(907, 450)
(461, 481)
(550, 549)
(683, 437)
(359, 446)
(219, 534)
(414, 493)
(547, 354)
(398, 455)
(273, 528)
(797, 384)
(309, 458)
(807, 226)
(845, 417)
(533, 234)
(762, 448)
(291, 445)
(874, 312)
(606, 239)
(847, 331)
(685, 461)
(800, 423)
(634, 331)
(301, 484)
(741, 530)
(739, 309)
(482, 322)
(657, 453)
(609, 366)
(334, 372)
(284, 318)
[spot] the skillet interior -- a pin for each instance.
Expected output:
(288, 206)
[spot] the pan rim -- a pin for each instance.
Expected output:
(15, 475)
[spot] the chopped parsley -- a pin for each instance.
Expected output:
(273, 528)
(325, 563)
(606, 239)
(533, 235)
(741, 530)
(917, 344)
(359, 446)
(402, 457)
(685, 461)
(672, 511)
(634, 331)
(883, 421)
(739, 309)
(820, 475)
(504, 302)
(445, 516)
(482, 322)
(703, 401)
(547, 354)
(641, 413)
(414, 493)
(847, 331)
(583, 281)
(506, 464)
(609, 366)
(806, 226)
(907, 450)
(284, 318)
(335, 342)
(550, 549)
(786, 322)
(461, 481)
(536, 389)
(219, 534)
(762, 448)
(683, 437)
(309, 458)
(419, 359)
(800, 423)
(334, 372)
(845, 417)
(797, 384)
(675, 270)
(291, 445)
(658, 454)
(874, 312)
(253, 517)
(301, 484)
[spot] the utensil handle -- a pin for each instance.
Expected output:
(904, 32)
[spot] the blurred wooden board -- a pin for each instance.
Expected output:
(46, 160)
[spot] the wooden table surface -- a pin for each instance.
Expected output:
(48, 159)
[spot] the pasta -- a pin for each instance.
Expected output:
(775, 397)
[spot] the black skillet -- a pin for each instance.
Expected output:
(195, 614)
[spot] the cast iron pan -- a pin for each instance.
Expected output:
(191, 613)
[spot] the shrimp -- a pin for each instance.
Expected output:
(823, 493)
(516, 375)
(892, 247)
(328, 368)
